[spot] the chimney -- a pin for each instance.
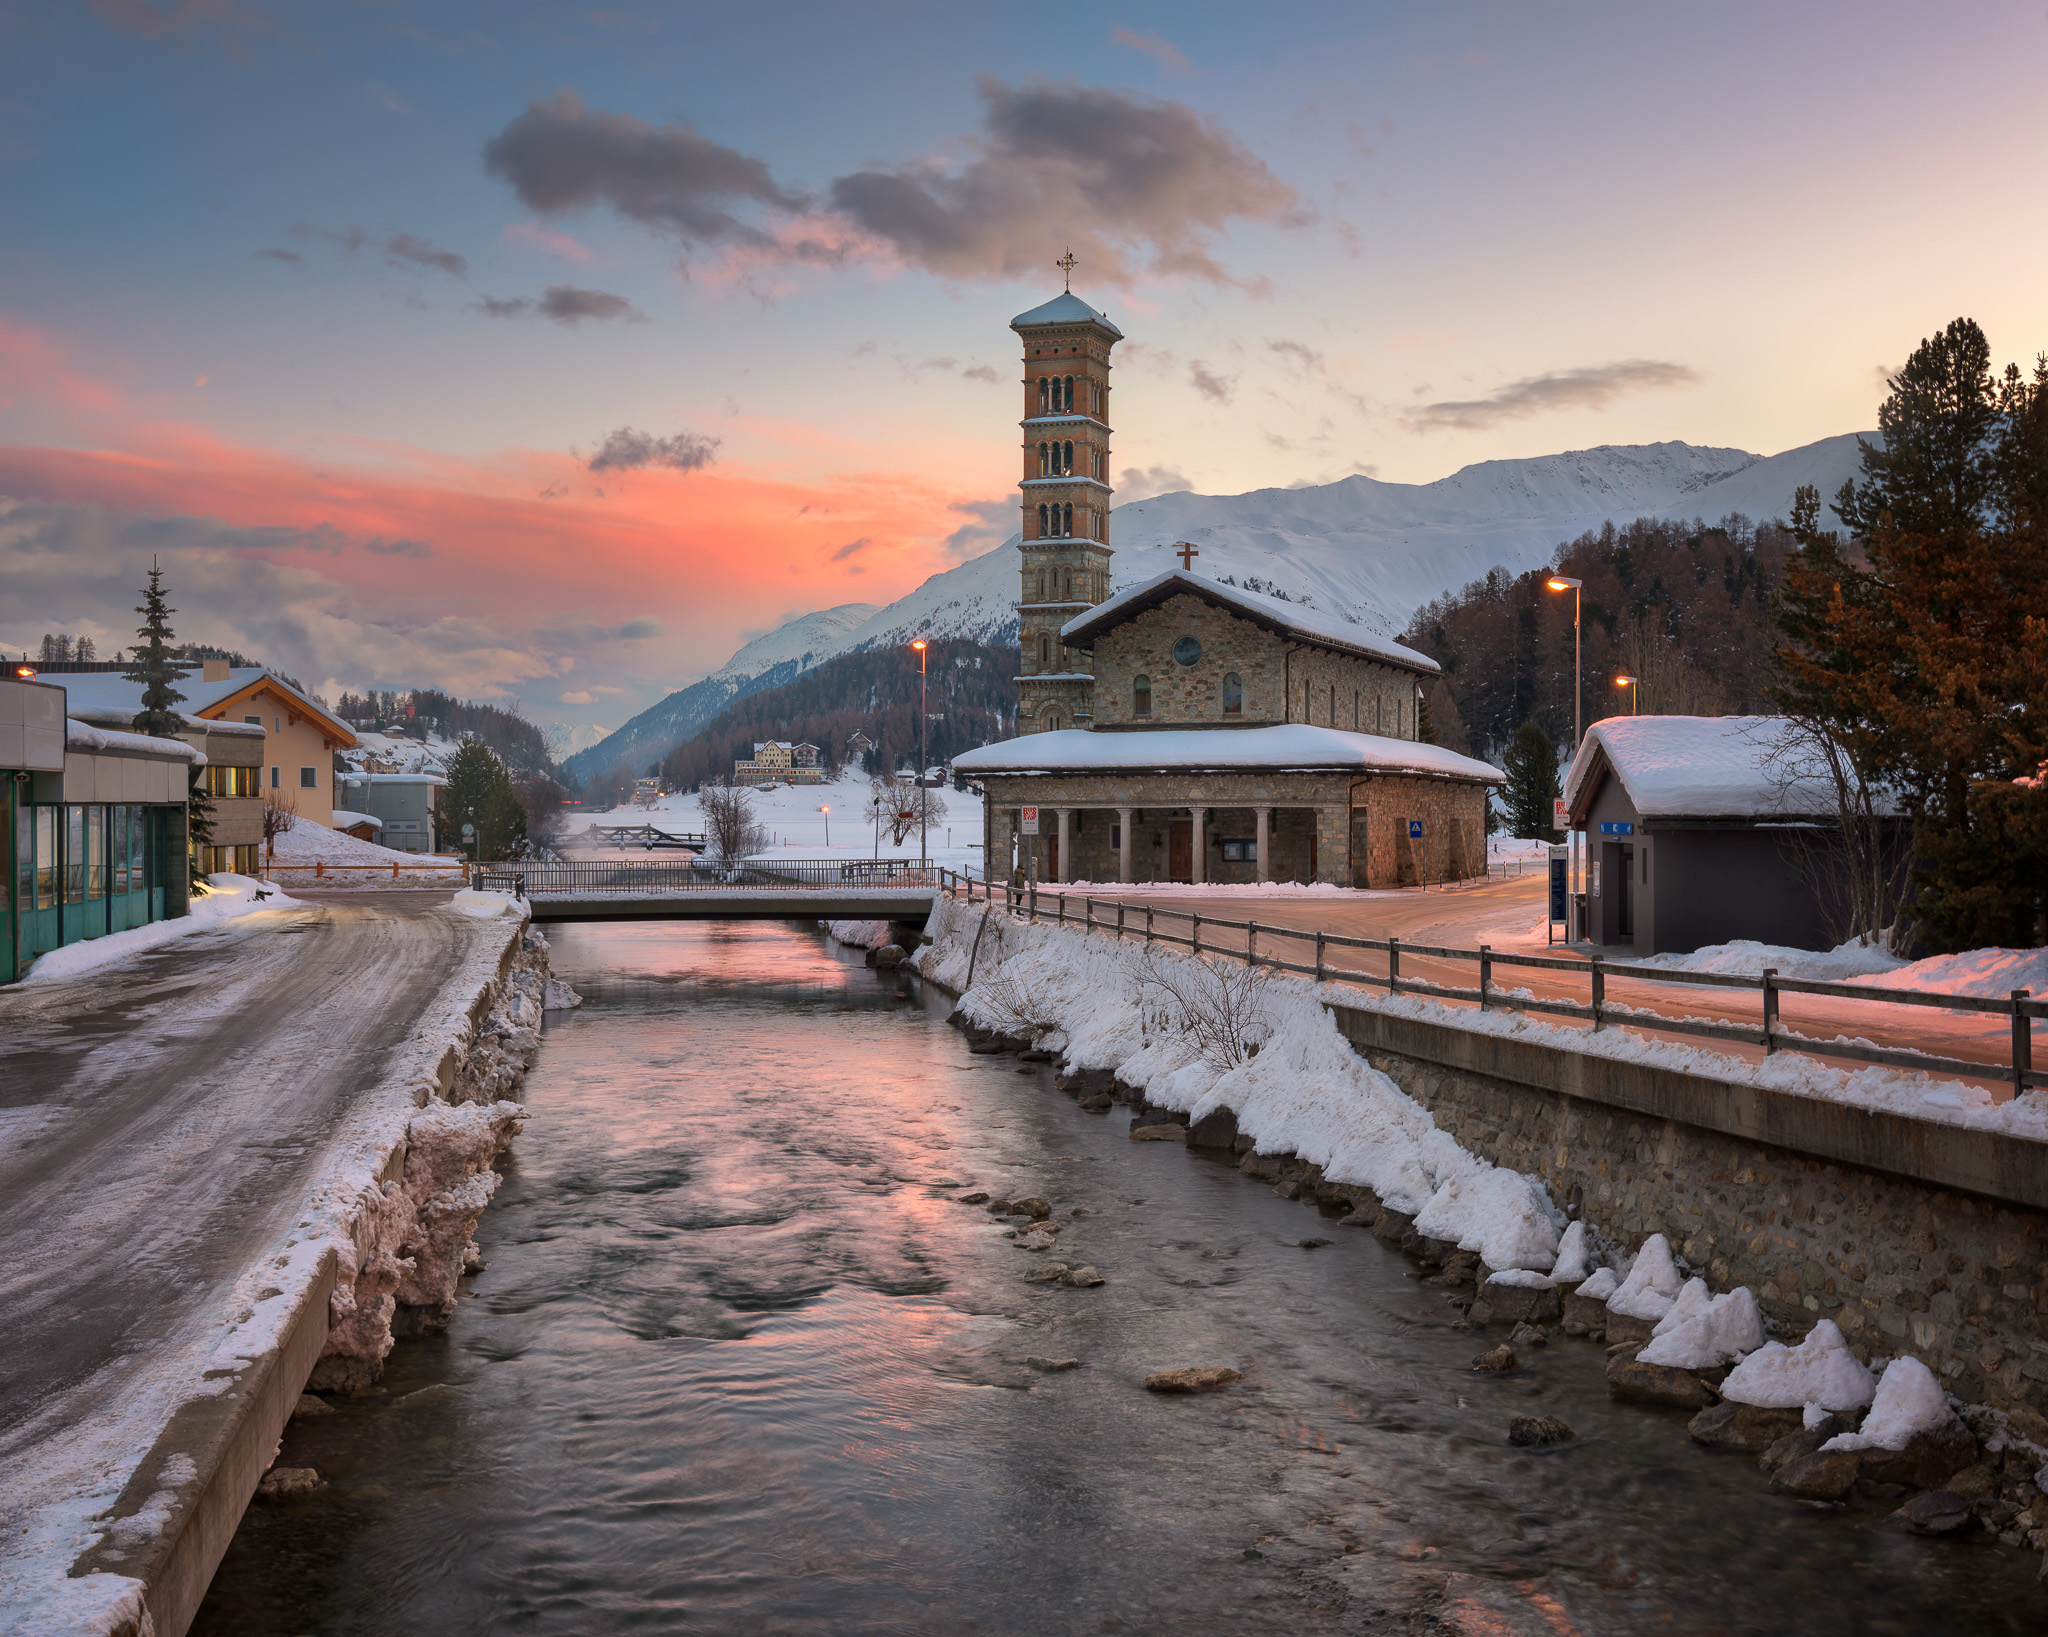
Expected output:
(213, 670)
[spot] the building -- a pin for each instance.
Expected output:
(1185, 730)
(407, 806)
(92, 826)
(301, 736)
(775, 762)
(233, 780)
(1703, 830)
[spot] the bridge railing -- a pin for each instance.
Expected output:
(583, 878)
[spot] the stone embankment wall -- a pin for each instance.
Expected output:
(1902, 1263)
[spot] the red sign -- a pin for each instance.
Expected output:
(1029, 815)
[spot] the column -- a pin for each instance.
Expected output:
(1201, 844)
(1123, 851)
(1265, 872)
(1066, 835)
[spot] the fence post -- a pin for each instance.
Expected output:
(1485, 973)
(1148, 923)
(1251, 943)
(319, 868)
(1119, 920)
(1195, 934)
(1393, 966)
(1599, 993)
(1319, 957)
(2022, 1042)
(1062, 899)
(1770, 982)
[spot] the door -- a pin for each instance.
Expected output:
(1180, 850)
(1625, 896)
(1052, 848)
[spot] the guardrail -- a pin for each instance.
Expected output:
(320, 869)
(2020, 1009)
(537, 878)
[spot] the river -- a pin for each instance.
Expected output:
(739, 1362)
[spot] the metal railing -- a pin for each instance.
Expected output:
(644, 836)
(2020, 1009)
(544, 878)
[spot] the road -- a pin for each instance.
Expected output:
(1508, 916)
(160, 1121)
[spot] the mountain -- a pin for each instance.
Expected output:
(1369, 551)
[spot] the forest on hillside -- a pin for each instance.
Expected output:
(972, 700)
(1685, 608)
(522, 746)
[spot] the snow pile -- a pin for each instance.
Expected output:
(1702, 1331)
(230, 898)
(1574, 1255)
(1989, 974)
(1600, 1284)
(1909, 1401)
(1746, 958)
(1820, 1370)
(485, 905)
(309, 842)
(1652, 1284)
(1305, 1092)
(860, 934)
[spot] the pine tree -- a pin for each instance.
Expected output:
(1532, 786)
(479, 793)
(153, 667)
(198, 826)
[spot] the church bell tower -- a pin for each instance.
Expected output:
(1066, 502)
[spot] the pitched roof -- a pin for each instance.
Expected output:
(1732, 767)
(1274, 613)
(1289, 746)
(101, 691)
(1064, 309)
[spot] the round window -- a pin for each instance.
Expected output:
(1187, 651)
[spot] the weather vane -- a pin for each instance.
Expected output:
(1066, 265)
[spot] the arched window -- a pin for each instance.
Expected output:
(1044, 462)
(1069, 403)
(1041, 523)
(1141, 696)
(1044, 652)
(1068, 527)
(1041, 585)
(1044, 394)
(1052, 719)
(1333, 704)
(1233, 695)
(1067, 465)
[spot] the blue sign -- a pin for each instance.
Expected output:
(1617, 827)
(1415, 829)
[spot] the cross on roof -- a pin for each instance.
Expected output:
(1188, 554)
(1066, 264)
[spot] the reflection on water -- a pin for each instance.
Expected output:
(739, 1364)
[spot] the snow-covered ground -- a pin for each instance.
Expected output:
(792, 814)
(231, 897)
(1989, 974)
(310, 842)
(409, 755)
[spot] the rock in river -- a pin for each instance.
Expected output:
(1825, 1475)
(1051, 1366)
(1538, 1431)
(1498, 1362)
(281, 1481)
(976, 1198)
(1081, 1278)
(1031, 1206)
(309, 1406)
(1166, 1132)
(1664, 1384)
(1200, 1378)
(1045, 1273)
(1934, 1512)
(1746, 1427)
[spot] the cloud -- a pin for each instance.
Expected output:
(1160, 51)
(380, 547)
(851, 548)
(1209, 384)
(991, 522)
(637, 630)
(291, 258)
(1138, 183)
(1590, 388)
(546, 239)
(1302, 356)
(564, 304)
(560, 156)
(627, 450)
(580, 696)
(1143, 482)
(981, 372)
(408, 250)
(154, 22)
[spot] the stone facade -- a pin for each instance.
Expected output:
(1901, 1265)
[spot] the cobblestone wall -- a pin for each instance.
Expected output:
(1901, 1266)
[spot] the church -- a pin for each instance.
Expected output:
(1188, 730)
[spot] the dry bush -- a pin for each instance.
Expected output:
(1223, 1006)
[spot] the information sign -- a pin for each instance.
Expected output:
(1560, 814)
(1415, 829)
(1560, 884)
(1030, 817)
(1617, 827)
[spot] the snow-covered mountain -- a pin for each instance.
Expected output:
(1369, 551)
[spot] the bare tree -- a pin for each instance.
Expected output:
(280, 813)
(729, 824)
(1222, 1005)
(902, 803)
(1667, 681)
(1855, 857)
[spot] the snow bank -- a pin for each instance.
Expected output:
(1600, 1284)
(486, 905)
(1746, 958)
(1306, 1092)
(1702, 1331)
(309, 842)
(1652, 1284)
(231, 898)
(1820, 1370)
(1909, 1401)
(1574, 1255)
(1990, 974)
(860, 934)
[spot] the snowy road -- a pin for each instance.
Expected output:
(160, 1120)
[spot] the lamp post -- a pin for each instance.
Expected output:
(920, 646)
(827, 811)
(1564, 582)
(1634, 684)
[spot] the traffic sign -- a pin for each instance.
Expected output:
(1560, 814)
(1617, 827)
(1415, 829)
(1030, 817)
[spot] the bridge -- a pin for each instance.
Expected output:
(701, 889)
(644, 836)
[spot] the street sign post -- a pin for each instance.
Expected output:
(1029, 816)
(1560, 894)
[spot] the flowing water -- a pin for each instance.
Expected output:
(740, 1363)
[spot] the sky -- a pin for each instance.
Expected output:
(549, 352)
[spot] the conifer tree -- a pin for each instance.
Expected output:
(154, 667)
(1532, 786)
(479, 793)
(198, 826)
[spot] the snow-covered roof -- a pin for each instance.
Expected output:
(1275, 613)
(393, 778)
(98, 691)
(1741, 767)
(83, 736)
(1064, 309)
(1292, 746)
(345, 820)
(107, 716)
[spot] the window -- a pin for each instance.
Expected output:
(277, 724)
(273, 778)
(1068, 521)
(1041, 522)
(1052, 719)
(1044, 395)
(1187, 652)
(1141, 696)
(1354, 710)
(1044, 460)
(1241, 852)
(74, 855)
(1116, 838)
(253, 721)
(309, 778)
(1333, 704)
(1070, 393)
(1067, 460)
(1233, 695)
(1044, 652)
(118, 848)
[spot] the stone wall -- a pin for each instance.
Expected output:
(1903, 1264)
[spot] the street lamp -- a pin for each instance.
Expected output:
(920, 645)
(827, 811)
(1564, 582)
(1634, 684)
